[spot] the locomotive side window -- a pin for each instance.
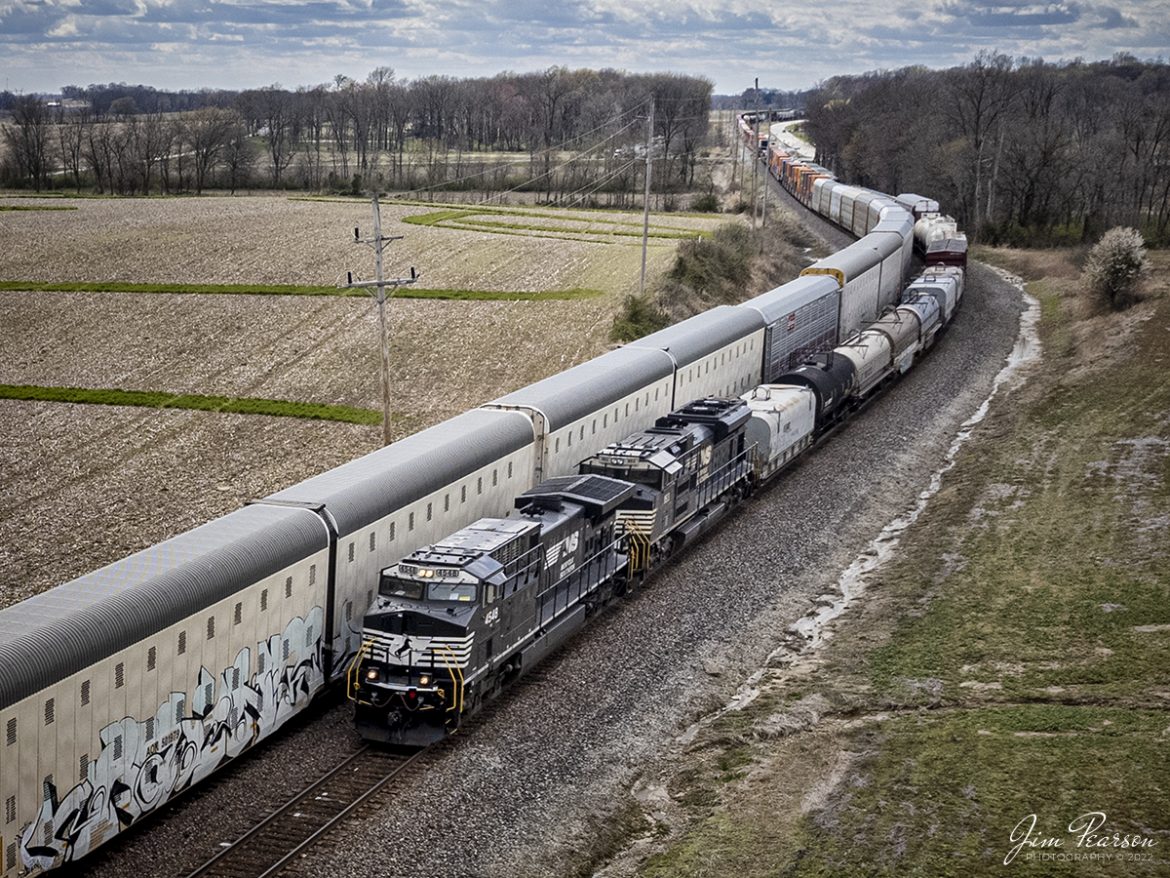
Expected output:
(489, 594)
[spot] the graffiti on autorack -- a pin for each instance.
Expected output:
(143, 764)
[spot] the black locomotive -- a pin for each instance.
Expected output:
(457, 621)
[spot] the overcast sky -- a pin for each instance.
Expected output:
(173, 44)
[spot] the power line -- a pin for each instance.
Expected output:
(554, 148)
(564, 164)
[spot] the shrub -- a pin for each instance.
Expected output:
(708, 203)
(639, 316)
(1115, 266)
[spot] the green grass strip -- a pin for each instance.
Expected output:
(192, 401)
(294, 290)
(4, 207)
(455, 218)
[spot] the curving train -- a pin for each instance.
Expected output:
(403, 573)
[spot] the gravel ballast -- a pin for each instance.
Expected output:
(522, 793)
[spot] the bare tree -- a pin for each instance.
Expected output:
(27, 139)
(71, 133)
(207, 132)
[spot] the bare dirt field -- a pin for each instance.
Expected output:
(86, 485)
(275, 239)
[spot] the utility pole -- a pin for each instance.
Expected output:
(755, 150)
(767, 162)
(736, 145)
(377, 288)
(646, 195)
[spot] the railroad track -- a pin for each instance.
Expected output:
(270, 845)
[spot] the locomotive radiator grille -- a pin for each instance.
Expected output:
(404, 650)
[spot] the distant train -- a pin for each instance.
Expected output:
(126, 686)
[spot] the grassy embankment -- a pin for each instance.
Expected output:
(1014, 659)
(293, 290)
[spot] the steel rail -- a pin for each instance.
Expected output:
(266, 848)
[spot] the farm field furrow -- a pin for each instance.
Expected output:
(275, 239)
(86, 485)
(445, 356)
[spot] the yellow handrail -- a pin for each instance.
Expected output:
(352, 682)
(456, 673)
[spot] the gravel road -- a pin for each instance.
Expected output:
(522, 794)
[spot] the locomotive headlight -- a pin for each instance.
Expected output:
(372, 674)
(424, 680)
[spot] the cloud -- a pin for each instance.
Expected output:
(240, 43)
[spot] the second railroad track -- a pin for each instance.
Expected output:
(265, 849)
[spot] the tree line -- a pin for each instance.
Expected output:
(558, 131)
(1020, 150)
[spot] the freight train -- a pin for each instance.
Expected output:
(456, 622)
(125, 687)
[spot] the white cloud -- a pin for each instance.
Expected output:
(236, 43)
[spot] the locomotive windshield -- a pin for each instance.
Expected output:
(393, 587)
(451, 591)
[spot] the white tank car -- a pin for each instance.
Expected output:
(781, 425)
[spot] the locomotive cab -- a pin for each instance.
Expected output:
(440, 618)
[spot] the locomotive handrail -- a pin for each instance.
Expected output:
(352, 683)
